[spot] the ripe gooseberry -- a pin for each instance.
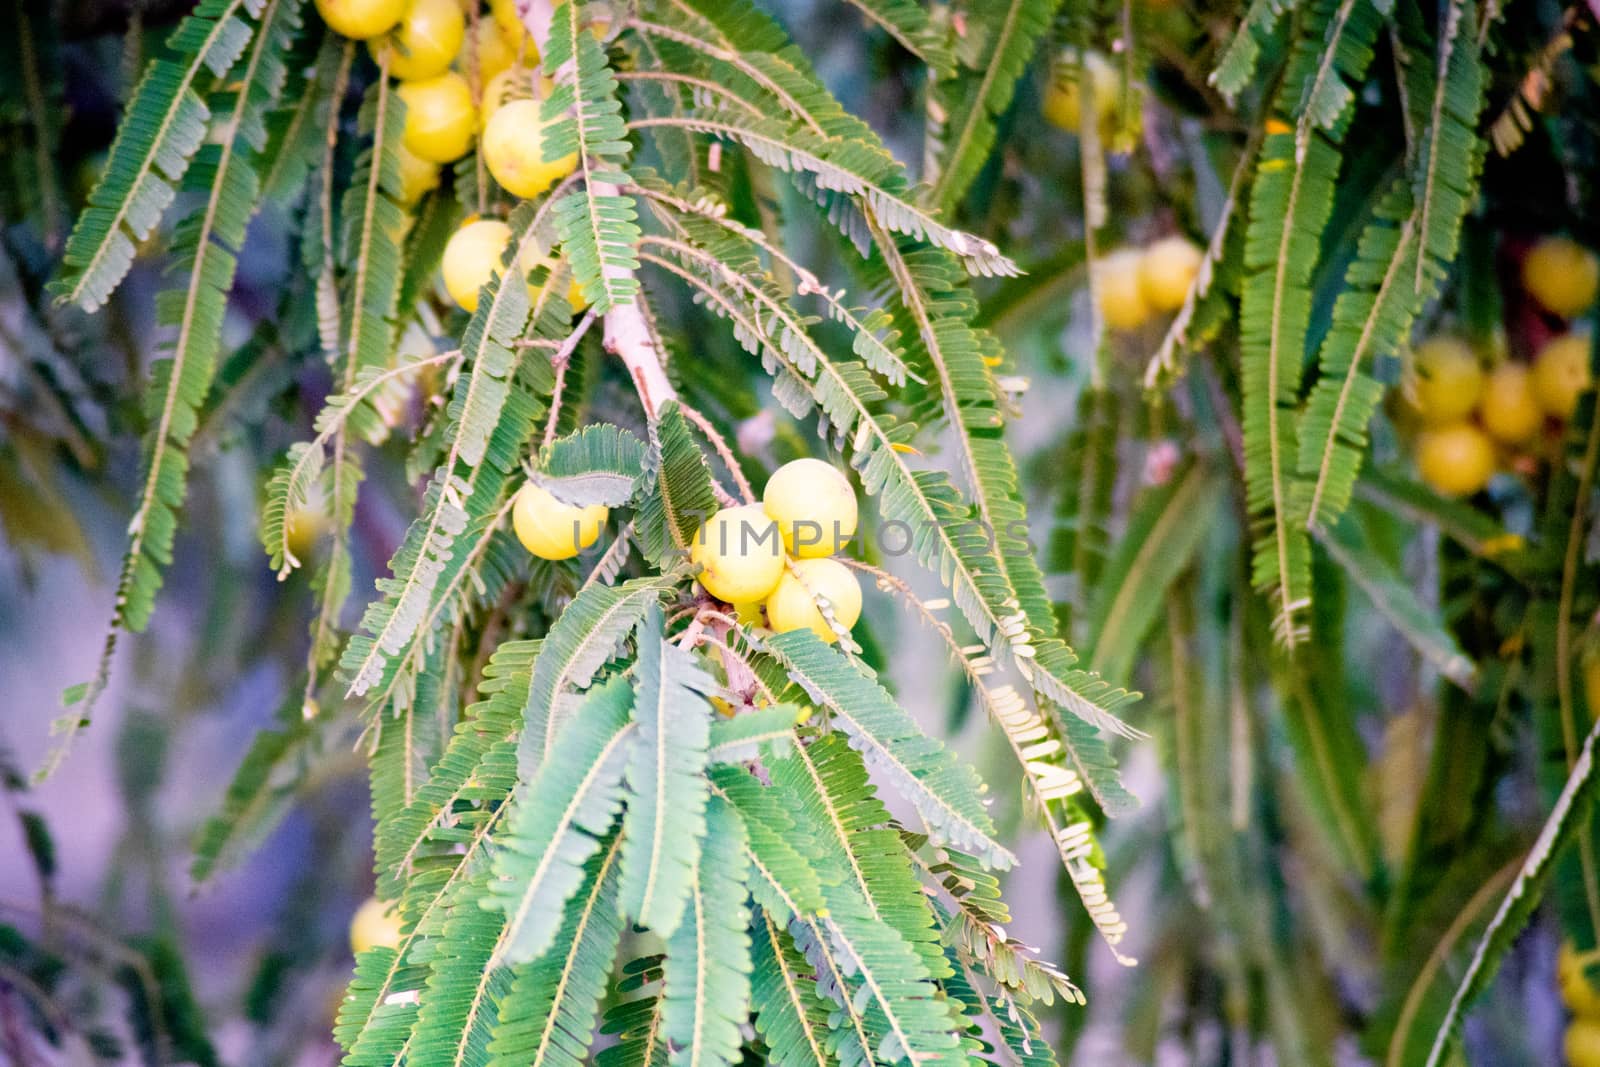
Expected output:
(1063, 104)
(1457, 460)
(1577, 993)
(472, 254)
(1562, 275)
(426, 41)
(440, 118)
(552, 530)
(361, 19)
(1121, 297)
(1508, 408)
(813, 505)
(1582, 1043)
(1561, 374)
(488, 47)
(513, 149)
(374, 925)
(1167, 270)
(418, 177)
(793, 604)
(1445, 381)
(740, 554)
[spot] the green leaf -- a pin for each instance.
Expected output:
(754, 734)
(548, 1017)
(946, 793)
(681, 497)
(667, 790)
(708, 956)
(791, 1015)
(558, 820)
(600, 464)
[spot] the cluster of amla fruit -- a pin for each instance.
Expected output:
(777, 556)
(1475, 421)
(459, 91)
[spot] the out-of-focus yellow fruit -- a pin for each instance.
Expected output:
(1508, 409)
(302, 526)
(1167, 270)
(361, 19)
(1561, 374)
(813, 505)
(1562, 275)
(470, 256)
(1577, 993)
(1457, 460)
(1582, 1044)
(374, 926)
(418, 177)
(1445, 380)
(553, 530)
(740, 554)
(1063, 104)
(489, 49)
(793, 605)
(510, 23)
(575, 297)
(440, 118)
(427, 40)
(513, 147)
(1122, 302)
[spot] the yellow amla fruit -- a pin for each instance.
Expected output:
(1508, 409)
(1167, 270)
(1561, 275)
(302, 526)
(1445, 380)
(471, 256)
(1063, 104)
(440, 118)
(814, 506)
(1457, 459)
(374, 925)
(740, 554)
(490, 49)
(1117, 287)
(513, 149)
(361, 19)
(418, 177)
(426, 41)
(1577, 992)
(506, 17)
(793, 604)
(553, 530)
(1582, 1043)
(1561, 374)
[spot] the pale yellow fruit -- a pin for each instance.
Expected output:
(1561, 374)
(418, 177)
(489, 49)
(740, 554)
(513, 147)
(1562, 275)
(302, 526)
(506, 17)
(1508, 409)
(1582, 1044)
(553, 530)
(1167, 270)
(361, 19)
(793, 605)
(814, 506)
(374, 926)
(1121, 296)
(575, 297)
(1577, 993)
(1457, 460)
(426, 41)
(1063, 104)
(440, 118)
(471, 256)
(1445, 382)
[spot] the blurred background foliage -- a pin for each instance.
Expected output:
(1324, 837)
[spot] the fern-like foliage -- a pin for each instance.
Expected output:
(1000, 39)
(205, 247)
(584, 116)
(667, 789)
(166, 124)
